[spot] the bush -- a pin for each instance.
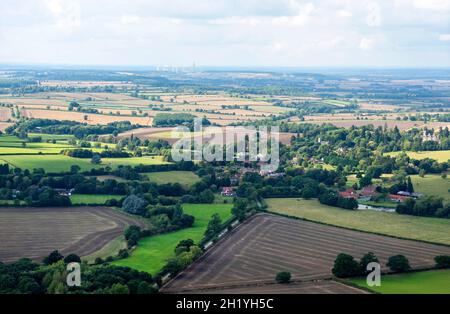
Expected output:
(366, 260)
(283, 277)
(398, 263)
(345, 266)
(442, 261)
(54, 257)
(72, 258)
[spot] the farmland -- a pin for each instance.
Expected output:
(153, 252)
(35, 232)
(392, 224)
(441, 155)
(62, 163)
(424, 282)
(267, 244)
(92, 198)
(186, 178)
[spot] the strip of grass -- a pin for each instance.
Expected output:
(99, 199)
(186, 178)
(439, 155)
(152, 253)
(424, 282)
(417, 228)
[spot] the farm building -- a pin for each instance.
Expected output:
(349, 193)
(227, 191)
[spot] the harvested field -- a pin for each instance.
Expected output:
(4, 125)
(35, 232)
(5, 114)
(267, 244)
(316, 287)
(79, 116)
(166, 134)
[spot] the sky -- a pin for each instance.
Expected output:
(294, 33)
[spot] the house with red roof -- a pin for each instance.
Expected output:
(349, 193)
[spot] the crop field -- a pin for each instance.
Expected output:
(423, 282)
(392, 224)
(316, 287)
(152, 253)
(186, 178)
(99, 199)
(62, 163)
(35, 232)
(267, 244)
(441, 155)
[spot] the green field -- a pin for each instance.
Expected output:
(110, 249)
(441, 155)
(61, 163)
(57, 137)
(152, 253)
(186, 178)
(432, 185)
(411, 227)
(424, 282)
(92, 198)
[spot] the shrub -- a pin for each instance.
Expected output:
(366, 260)
(442, 261)
(283, 277)
(345, 266)
(54, 257)
(398, 263)
(72, 258)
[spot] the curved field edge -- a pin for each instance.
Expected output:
(425, 229)
(421, 282)
(152, 253)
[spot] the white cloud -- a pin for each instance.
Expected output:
(130, 19)
(374, 16)
(344, 14)
(432, 4)
(67, 13)
(444, 37)
(366, 43)
(300, 19)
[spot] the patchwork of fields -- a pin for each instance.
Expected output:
(267, 244)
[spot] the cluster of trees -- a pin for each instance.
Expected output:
(87, 153)
(172, 119)
(428, 206)
(28, 277)
(186, 252)
(346, 266)
(79, 130)
(163, 218)
(331, 198)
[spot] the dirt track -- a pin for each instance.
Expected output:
(267, 244)
(35, 232)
